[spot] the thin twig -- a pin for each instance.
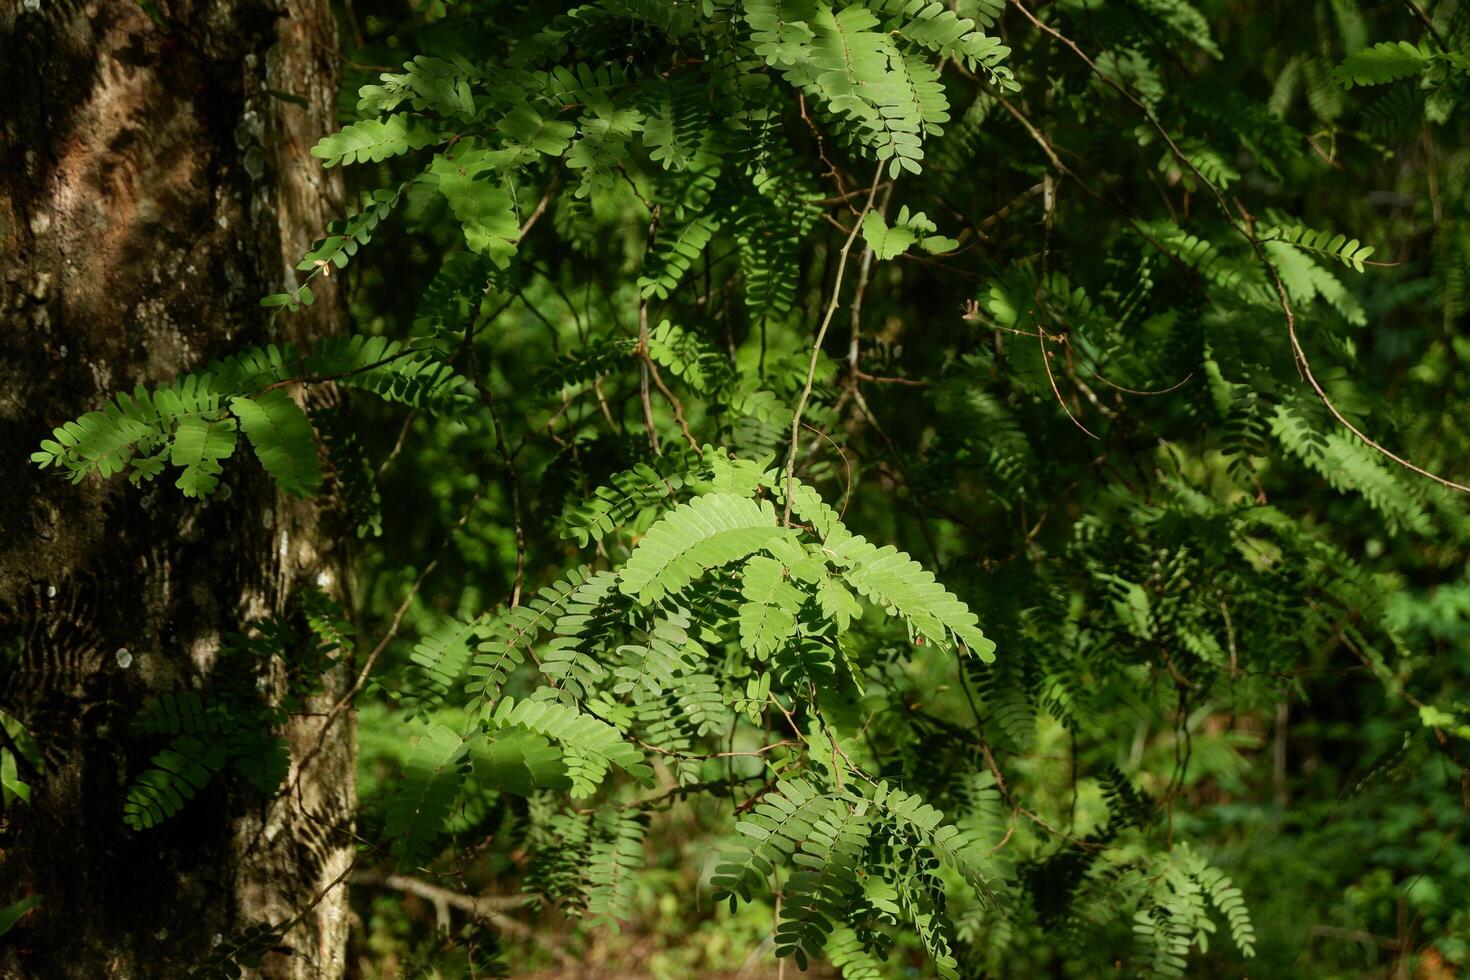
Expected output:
(1046, 363)
(643, 362)
(842, 193)
(540, 207)
(483, 907)
(322, 378)
(673, 401)
(398, 443)
(1353, 935)
(1140, 391)
(1429, 24)
(512, 478)
(392, 631)
(487, 398)
(846, 466)
(623, 169)
(811, 367)
(875, 379)
(865, 266)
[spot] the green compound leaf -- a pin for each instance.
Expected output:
(283, 440)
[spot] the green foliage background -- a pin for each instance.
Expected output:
(1108, 295)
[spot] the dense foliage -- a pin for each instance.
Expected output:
(1136, 323)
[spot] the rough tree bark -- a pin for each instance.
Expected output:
(155, 181)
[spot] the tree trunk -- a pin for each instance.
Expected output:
(155, 181)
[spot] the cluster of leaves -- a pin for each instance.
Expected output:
(232, 725)
(1118, 389)
(193, 422)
